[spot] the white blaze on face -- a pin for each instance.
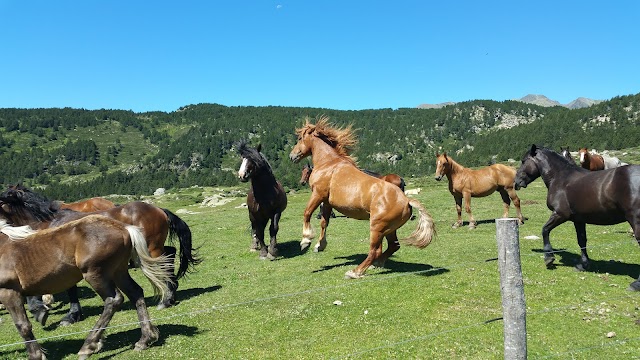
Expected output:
(243, 168)
(581, 157)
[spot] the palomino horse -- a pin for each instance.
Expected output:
(89, 205)
(21, 206)
(584, 197)
(337, 182)
(94, 248)
(591, 161)
(466, 183)
(266, 199)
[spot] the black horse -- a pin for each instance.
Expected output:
(575, 194)
(266, 199)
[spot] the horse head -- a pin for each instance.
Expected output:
(442, 165)
(252, 161)
(528, 171)
(306, 174)
(20, 205)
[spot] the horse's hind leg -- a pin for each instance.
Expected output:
(150, 332)
(273, 232)
(375, 243)
(635, 225)
(112, 301)
(324, 223)
(75, 311)
(172, 283)
(392, 246)
(581, 234)
(14, 303)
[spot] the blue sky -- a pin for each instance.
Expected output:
(347, 54)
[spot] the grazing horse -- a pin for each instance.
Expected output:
(21, 206)
(266, 199)
(465, 183)
(95, 248)
(89, 205)
(590, 161)
(584, 197)
(338, 183)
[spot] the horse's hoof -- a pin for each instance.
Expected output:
(580, 267)
(634, 286)
(548, 262)
(70, 318)
(47, 299)
(304, 245)
(140, 345)
(352, 275)
(455, 225)
(472, 226)
(271, 257)
(42, 315)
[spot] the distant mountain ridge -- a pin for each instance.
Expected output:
(539, 100)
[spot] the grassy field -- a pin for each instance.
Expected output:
(434, 303)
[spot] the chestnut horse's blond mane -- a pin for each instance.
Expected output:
(343, 140)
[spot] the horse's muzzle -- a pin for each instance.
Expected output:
(295, 157)
(519, 185)
(438, 177)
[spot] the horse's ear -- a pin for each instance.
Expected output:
(437, 153)
(259, 147)
(533, 150)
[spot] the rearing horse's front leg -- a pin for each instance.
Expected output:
(307, 230)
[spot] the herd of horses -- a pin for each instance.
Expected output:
(48, 246)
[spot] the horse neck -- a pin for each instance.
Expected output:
(554, 171)
(323, 153)
(454, 168)
(263, 179)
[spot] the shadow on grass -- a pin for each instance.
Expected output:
(113, 341)
(61, 308)
(391, 266)
(569, 259)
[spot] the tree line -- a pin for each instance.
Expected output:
(77, 153)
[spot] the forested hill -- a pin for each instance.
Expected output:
(76, 153)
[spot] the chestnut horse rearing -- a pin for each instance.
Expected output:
(336, 182)
(465, 183)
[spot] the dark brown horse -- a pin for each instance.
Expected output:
(89, 205)
(584, 197)
(337, 182)
(465, 183)
(94, 248)
(21, 206)
(266, 199)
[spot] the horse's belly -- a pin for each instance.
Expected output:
(353, 213)
(600, 218)
(54, 281)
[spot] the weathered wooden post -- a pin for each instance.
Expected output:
(512, 289)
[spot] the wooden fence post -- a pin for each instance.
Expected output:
(512, 289)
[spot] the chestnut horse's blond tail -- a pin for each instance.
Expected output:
(425, 231)
(156, 270)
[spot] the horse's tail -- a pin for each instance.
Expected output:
(425, 231)
(157, 270)
(188, 255)
(402, 184)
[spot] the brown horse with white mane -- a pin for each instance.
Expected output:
(94, 248)
(336, 182)
(466, 183)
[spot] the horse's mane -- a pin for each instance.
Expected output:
(254, 156)
(342, 139)
(27, 203)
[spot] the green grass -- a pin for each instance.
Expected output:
(428, 304)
